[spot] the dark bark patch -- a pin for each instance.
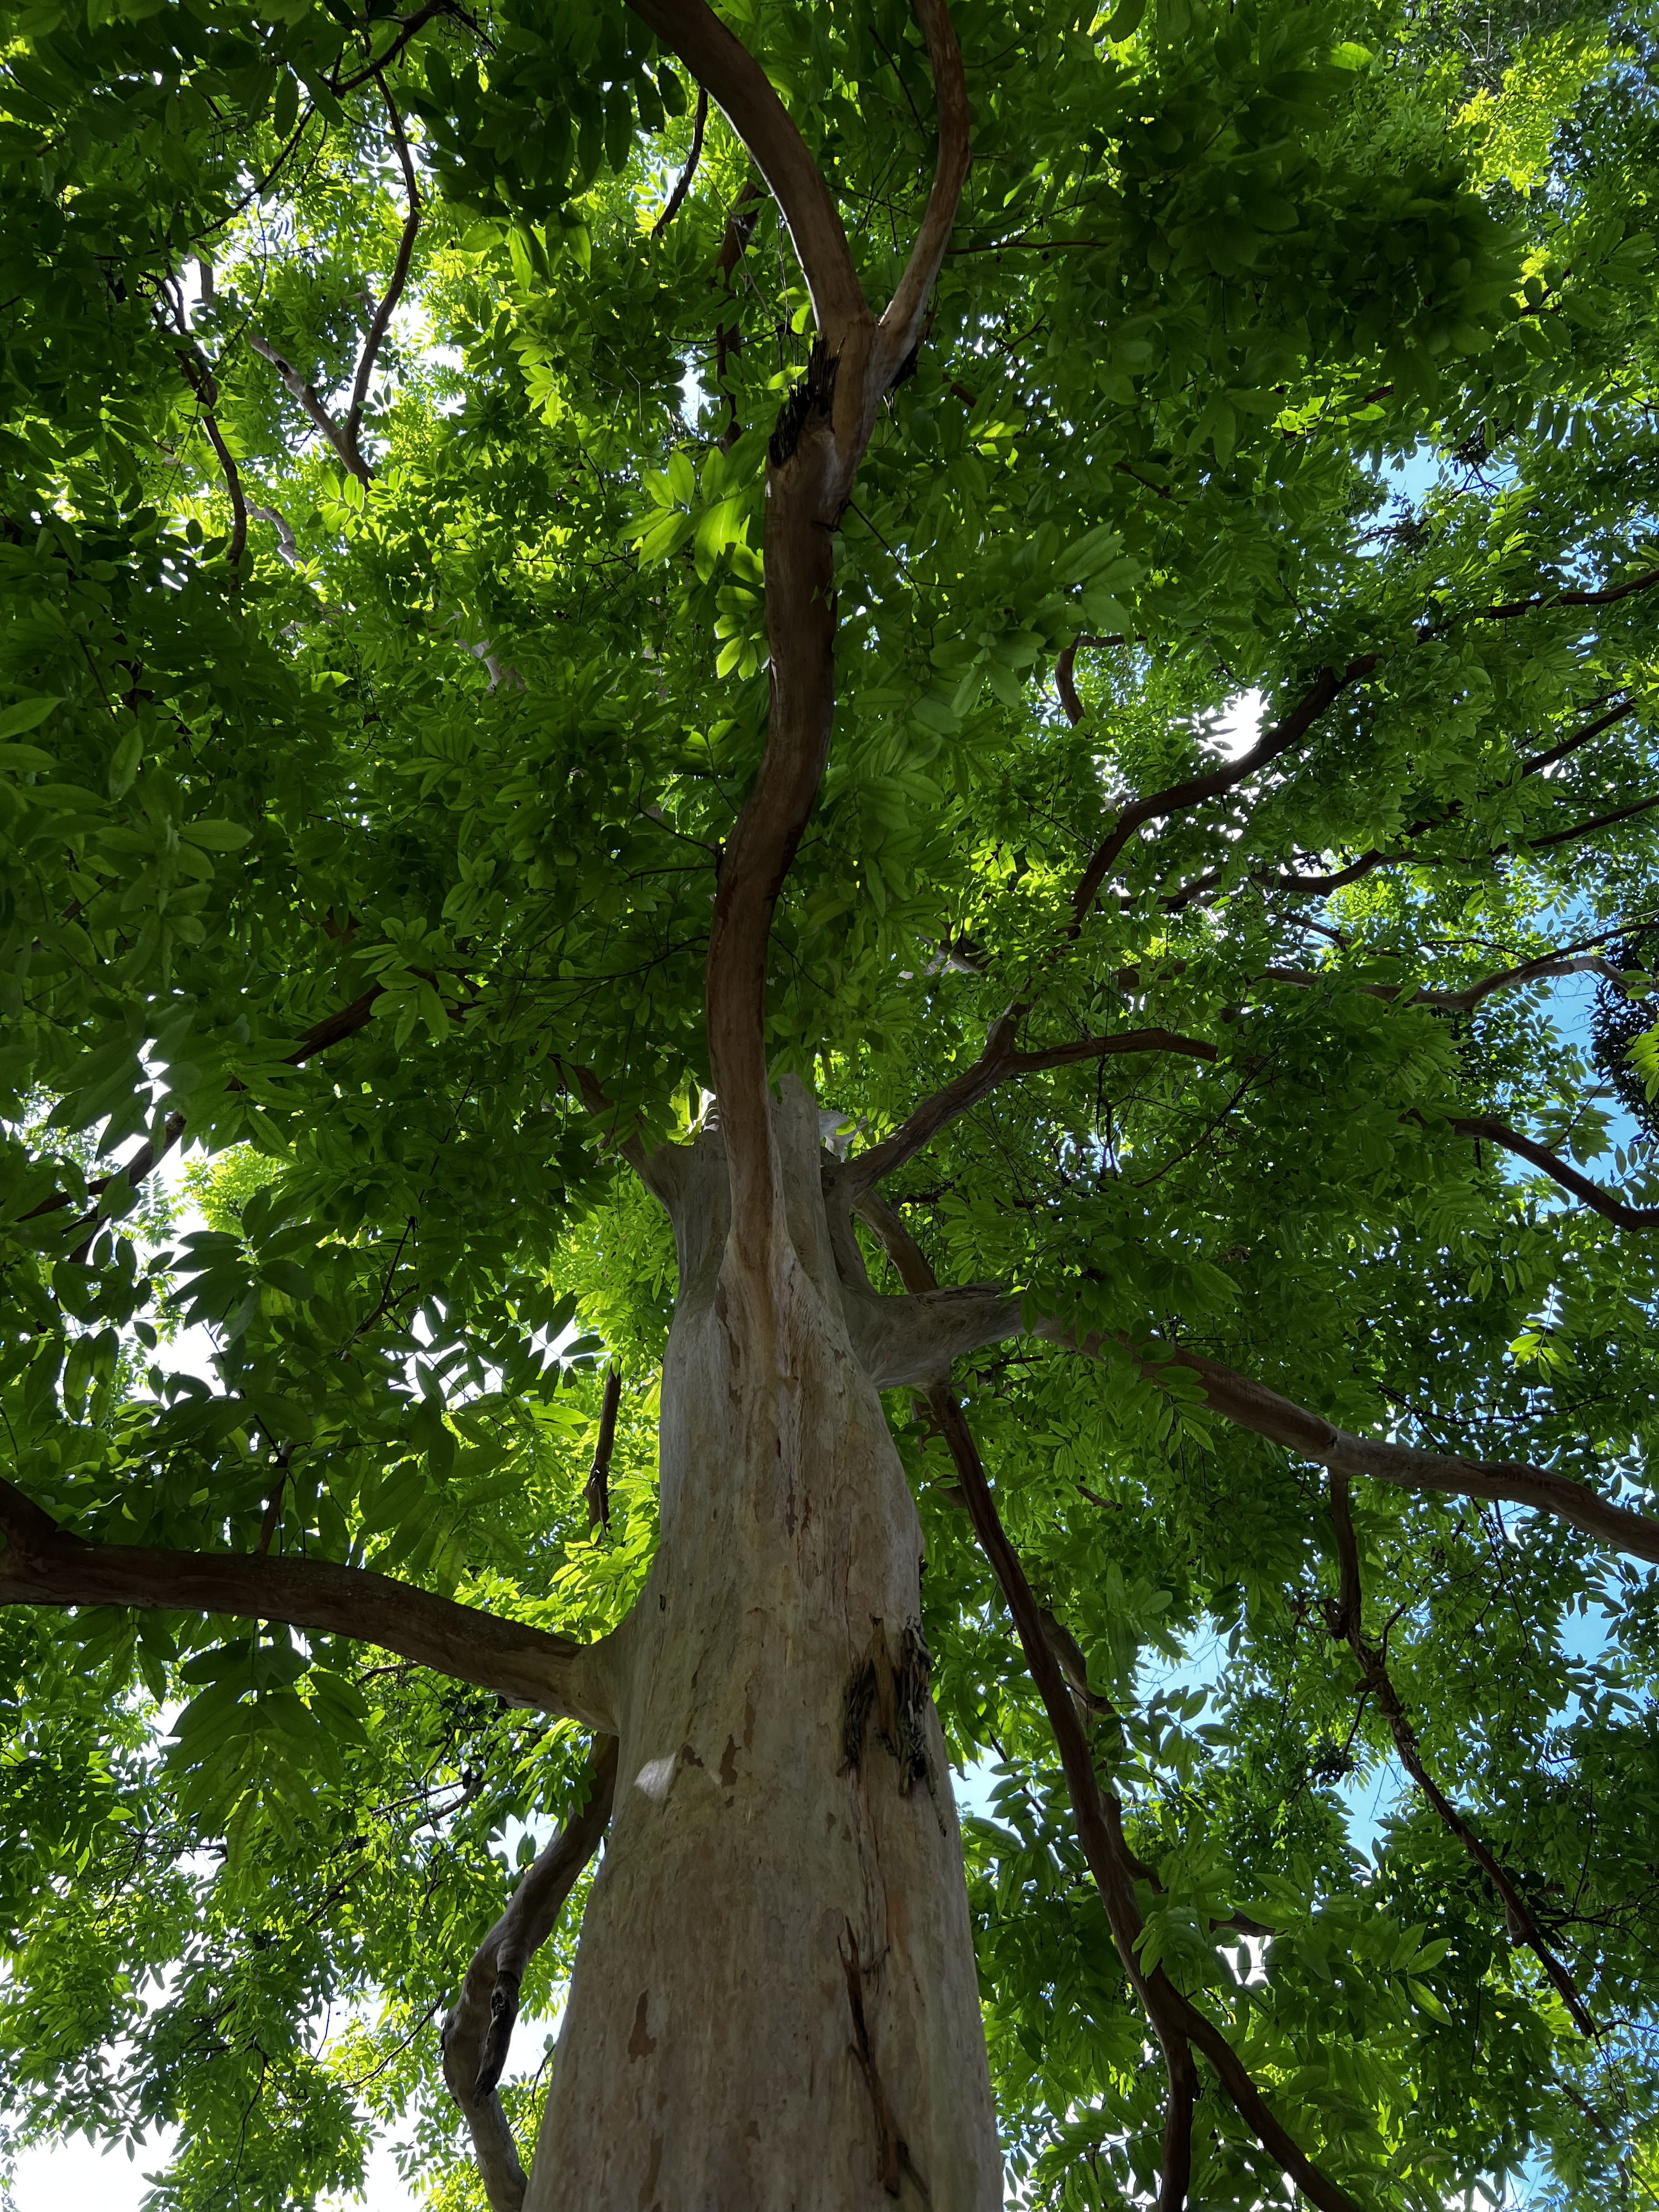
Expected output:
(639, 2044)
(814, 395)
(648, 2187)
(729, 1762)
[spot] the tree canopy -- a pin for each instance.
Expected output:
(387, 409)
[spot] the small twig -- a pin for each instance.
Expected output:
(676, 199)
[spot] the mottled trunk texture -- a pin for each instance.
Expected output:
(775, 2003)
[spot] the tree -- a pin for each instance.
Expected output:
(618, 624)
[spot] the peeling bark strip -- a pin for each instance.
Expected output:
(893, 2161)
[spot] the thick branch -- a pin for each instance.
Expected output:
(900, 330)
(43, 1565)
(311, 402)
(478, 2027)
(1345, 1619)
(1588, 1193)
(720, 62)
(1176, 2020)
(1194, 790)
(812, 460)
(383, 313)
(999, 1063)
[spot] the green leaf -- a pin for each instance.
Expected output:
(25, 714)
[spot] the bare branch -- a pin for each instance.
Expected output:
(999, 1063)
(43, 1564)
(1345, 1621)
(1589, 1193)
(1194, 790)
(1176, 2020)
(677, 197)
(479, 2025)
(383, 313)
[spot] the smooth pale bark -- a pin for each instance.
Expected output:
(775, 2002)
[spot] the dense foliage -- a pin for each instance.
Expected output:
(382, 670)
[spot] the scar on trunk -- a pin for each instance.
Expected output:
(895, 1690)
(893, 2159)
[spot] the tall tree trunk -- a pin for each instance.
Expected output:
(775, 2003)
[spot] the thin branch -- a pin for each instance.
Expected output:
(999, 1063)
(1176, 2020)
(478, 2027)
(331, 1029)
(1546, 967)
(1539, 762)
(1345, 1621)
(1064, 676)
(1643, 583)
(1194, 790)
(1251, 1405)
(406, 28)
(677, 197)
(200, 379)
(44, 1564)
(1588, 1193)
(383, 313)
(1321, 886)
(287, 545)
